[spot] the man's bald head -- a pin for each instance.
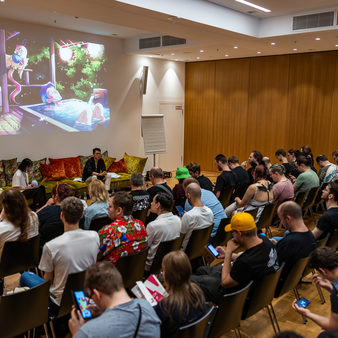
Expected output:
(291, 209)
(187, 181)
(156, 172)
(194, 190)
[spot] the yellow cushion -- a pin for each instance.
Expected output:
(134, 164)
(108, 161)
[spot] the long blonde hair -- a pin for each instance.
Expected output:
(97, 191)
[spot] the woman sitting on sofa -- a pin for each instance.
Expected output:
(17, 222)
(51, 225)
(99, 202)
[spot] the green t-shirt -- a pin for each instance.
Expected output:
(306, 181)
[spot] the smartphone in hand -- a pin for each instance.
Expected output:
(212, 250)
(180, 210)
(302, 302)
(81, 304)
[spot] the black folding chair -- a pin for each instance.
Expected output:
(221, 236)
(332, 242)
(141, 215)
(98, 223)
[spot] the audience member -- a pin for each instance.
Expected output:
(298, 242)
(240, 175)
(17, 222)
(290, 167)
(328, 222)
(325, 261)
(292, 155)
(257, 195)
(328, 171)
(282, 189)
(306, 151)
(255, 158)
(51, 225)
(125, 235)
(195, 172)
(210, 200)
(226, 178)
(96, 169)
(267, 162)
(74, 251)
(258, 259)
(307, 179)
(141, 198)
(178, 191)
(156, 176)
(335, 155)
(98, 207)
(120, 315)
(198, 217)
(166, 226)
(185, 302)
(21, 181)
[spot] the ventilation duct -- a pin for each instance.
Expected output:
(313, 20)
(161, 41)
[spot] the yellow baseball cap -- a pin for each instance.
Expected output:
(242, 221)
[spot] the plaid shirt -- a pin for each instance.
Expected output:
(125, 236)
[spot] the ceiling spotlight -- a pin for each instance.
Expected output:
(235, 47)
(198, 58)
(317, 39)
(172, 53)
(273, 43)
(201, 51)
(295, 49)
(259, 52)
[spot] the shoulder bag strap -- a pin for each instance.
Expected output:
(139, 320)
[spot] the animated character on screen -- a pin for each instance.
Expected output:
(93, 111)
(16, 62)
(49, 94)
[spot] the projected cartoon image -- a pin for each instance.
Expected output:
(51, 84)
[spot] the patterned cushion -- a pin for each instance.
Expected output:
(10, 168)
(134, 164)
(35, 173)
(83, 160)
(108, 161)
(118, 167)
(54, 171)
(105, 154)
(72, 165)
(2, 175)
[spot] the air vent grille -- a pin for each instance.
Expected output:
(313, 20)
(150, 42)
(160, 41)
(168, 40)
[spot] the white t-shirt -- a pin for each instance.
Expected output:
(20, 179)
(10, 233)
(196, 218)
(73, 251)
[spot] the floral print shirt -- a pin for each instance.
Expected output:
(125, 236)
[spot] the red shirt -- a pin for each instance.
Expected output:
(125, 236)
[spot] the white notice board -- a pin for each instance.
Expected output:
(153, 134)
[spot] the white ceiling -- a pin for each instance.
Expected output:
(252, 33)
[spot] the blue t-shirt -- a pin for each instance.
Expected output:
(209, 199)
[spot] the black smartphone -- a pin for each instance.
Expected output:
(213, 250)
(180, 210)
(81, 304)
(302, 302)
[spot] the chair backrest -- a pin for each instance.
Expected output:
(74, 283)
(261, 293)
(291, 280)
(311, 198)
(229, 312)
(19, 256)
(198, 240)
(320, 243)
(98, 223)
(226, 196)
(266, 216)
(300, 198)
(252, 212)
(132, 268)
(23, 311)
(141, 215)
(162, 250)
(332, 242)
(221, 236)
(198, 328)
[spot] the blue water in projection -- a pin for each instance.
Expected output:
(68, 112)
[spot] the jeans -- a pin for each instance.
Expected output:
(30, 279)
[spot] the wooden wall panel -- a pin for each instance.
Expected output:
(234, 106)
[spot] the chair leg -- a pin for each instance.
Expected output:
(275, 317)
(268, 231)
(52, 328)
(320, 293)
(271, 319)
(238, 332)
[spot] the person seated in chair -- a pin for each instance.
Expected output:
(125, 235)
(241, 175)
(199, 217)
(258, 259)
(282, 189)
(20, 181)
(226, 179)
(141, 198)
(98, 207)
(195, 172)
(166, 226)
(117, 315)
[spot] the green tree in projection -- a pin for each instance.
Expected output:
(84, 71)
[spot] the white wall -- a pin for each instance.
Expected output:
(165, 83)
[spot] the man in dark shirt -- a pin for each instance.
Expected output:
(195, 172)
(240, 175)
(226, 179)
(159, 185)
(328, 222)
(290, 167)
(325, 261)
(94, 167)
(258, 259)
(255, 158)
(141, 197)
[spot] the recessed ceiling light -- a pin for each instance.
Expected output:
(336, 45)
(317, 39)
(201, 51)
(226, 54)
(198, 58)
(254, 6)
(172, 53)
(259, 52)
(235, 47)
(273, 43)
(176, 59)
(295, 49)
